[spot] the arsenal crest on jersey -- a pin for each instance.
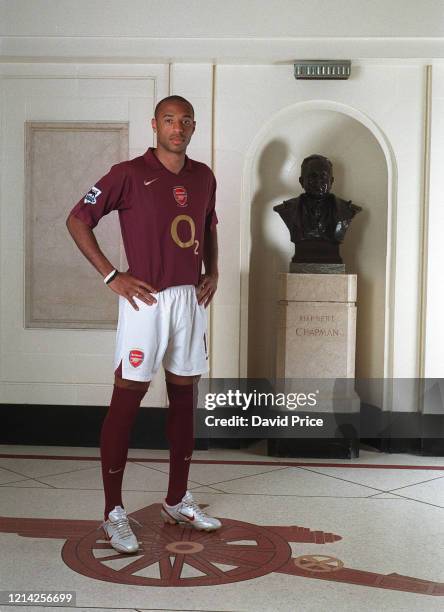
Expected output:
(136, 357)
(180, 195)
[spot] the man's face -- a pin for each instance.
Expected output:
(316, 179)
(174, 126)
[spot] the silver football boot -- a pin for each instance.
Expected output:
(119, 532)
(187, 511)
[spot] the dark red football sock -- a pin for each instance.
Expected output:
(114, 442)
(180, 436)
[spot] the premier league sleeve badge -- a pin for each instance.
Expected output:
(92, 195)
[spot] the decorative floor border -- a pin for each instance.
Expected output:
(375, 466)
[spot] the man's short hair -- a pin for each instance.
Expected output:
(173, 99)
(325, 160)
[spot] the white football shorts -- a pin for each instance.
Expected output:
(172, 332)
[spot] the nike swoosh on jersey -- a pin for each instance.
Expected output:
(146, 183)
(114, 471)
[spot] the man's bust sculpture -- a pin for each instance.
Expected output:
(317, 219)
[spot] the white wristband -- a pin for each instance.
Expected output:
(111, 275)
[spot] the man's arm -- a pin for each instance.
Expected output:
(208, 285)
(123, 284)
(85, 239)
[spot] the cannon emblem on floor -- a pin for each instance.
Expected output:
(179, 556)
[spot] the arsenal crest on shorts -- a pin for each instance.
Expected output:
(136, 357)
(180, 195)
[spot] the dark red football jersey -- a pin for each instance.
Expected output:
(163, 216)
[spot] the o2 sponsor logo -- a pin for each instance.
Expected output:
(192, 242)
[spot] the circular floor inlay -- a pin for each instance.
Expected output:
(184, 548)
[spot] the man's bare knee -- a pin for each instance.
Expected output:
(135, 385)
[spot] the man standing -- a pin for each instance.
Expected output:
(166, 205)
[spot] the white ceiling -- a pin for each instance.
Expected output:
(230, 18)
(215, 30)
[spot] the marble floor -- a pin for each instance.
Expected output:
(298, 535)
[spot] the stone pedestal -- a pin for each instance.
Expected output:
(316, 330)
(316, 337)
(317, 268)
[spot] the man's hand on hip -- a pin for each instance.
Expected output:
(130, 287)
(206, 288)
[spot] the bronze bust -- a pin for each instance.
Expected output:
(317, 219)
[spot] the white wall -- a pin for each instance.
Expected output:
(433, 357)
(248, 100)
(74, 366)
(60, 366)
(360, 175)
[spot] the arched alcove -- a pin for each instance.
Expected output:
(363, 171)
